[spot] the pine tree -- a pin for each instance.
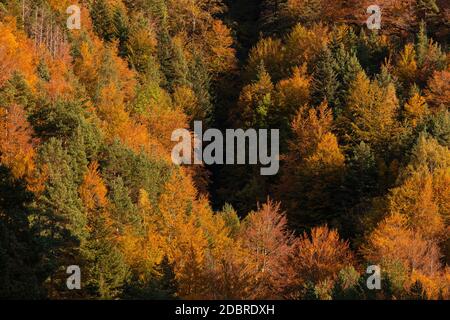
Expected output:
(348, 67)
(102, 16)
(105, 270)
(200, 82)
(325, 84)
(438, 126)
(121, 30)
(438, 91)
(421, 44)
(426, 9)
(59, 218)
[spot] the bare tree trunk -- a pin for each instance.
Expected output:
(42, 27)
(51, 40)
(23, 13)
(35, 28)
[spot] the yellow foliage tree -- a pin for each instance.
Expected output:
(304, 44)
(370, 114)
(415, 109)
(393, 242)
(407, 66)
(293, 92)
(415, 199)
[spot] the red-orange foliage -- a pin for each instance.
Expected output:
(16, 53)
(93, 190)
(266, 236)
(320, 256)
(438, 92)
(394, 242)
(16, 142)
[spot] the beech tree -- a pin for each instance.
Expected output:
(317, 259)
(314, 155)
(265, 234)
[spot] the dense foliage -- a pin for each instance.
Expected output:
(86, 177)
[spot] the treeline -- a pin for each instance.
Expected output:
(86, 176)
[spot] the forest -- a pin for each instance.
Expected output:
(86, 176)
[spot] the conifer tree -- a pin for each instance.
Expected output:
(59, 217)
(325, 84)
(348, 67)
(105, 270)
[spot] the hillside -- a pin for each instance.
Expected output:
(87, 177)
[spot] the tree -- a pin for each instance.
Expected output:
(421, 195)
(305, 11)
(16, 53)
(439, 127)
(220, 55)
(406, 69)
(313, 169)
(418, 61)
(59, 217)
(303, 45)
(185, 243)
(142, 48)
(347, 68)
(426, 9)
(415, 110)
(318, 258)
(256, 101)
(432, 287)
(429, 56)
(201, 81)
(370, 114)
(87, 179)
(325, 85)
(102, 14)
(415, 199)
(438, 91)
(17, 146)
(393, 245)
(267, 52)
(265, 234)
(105, 270)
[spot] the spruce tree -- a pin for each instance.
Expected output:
(325, 84)
(59, 218)
(200, 80)
(347, 68)
(102, 18)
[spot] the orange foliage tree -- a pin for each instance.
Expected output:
(17, 145)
